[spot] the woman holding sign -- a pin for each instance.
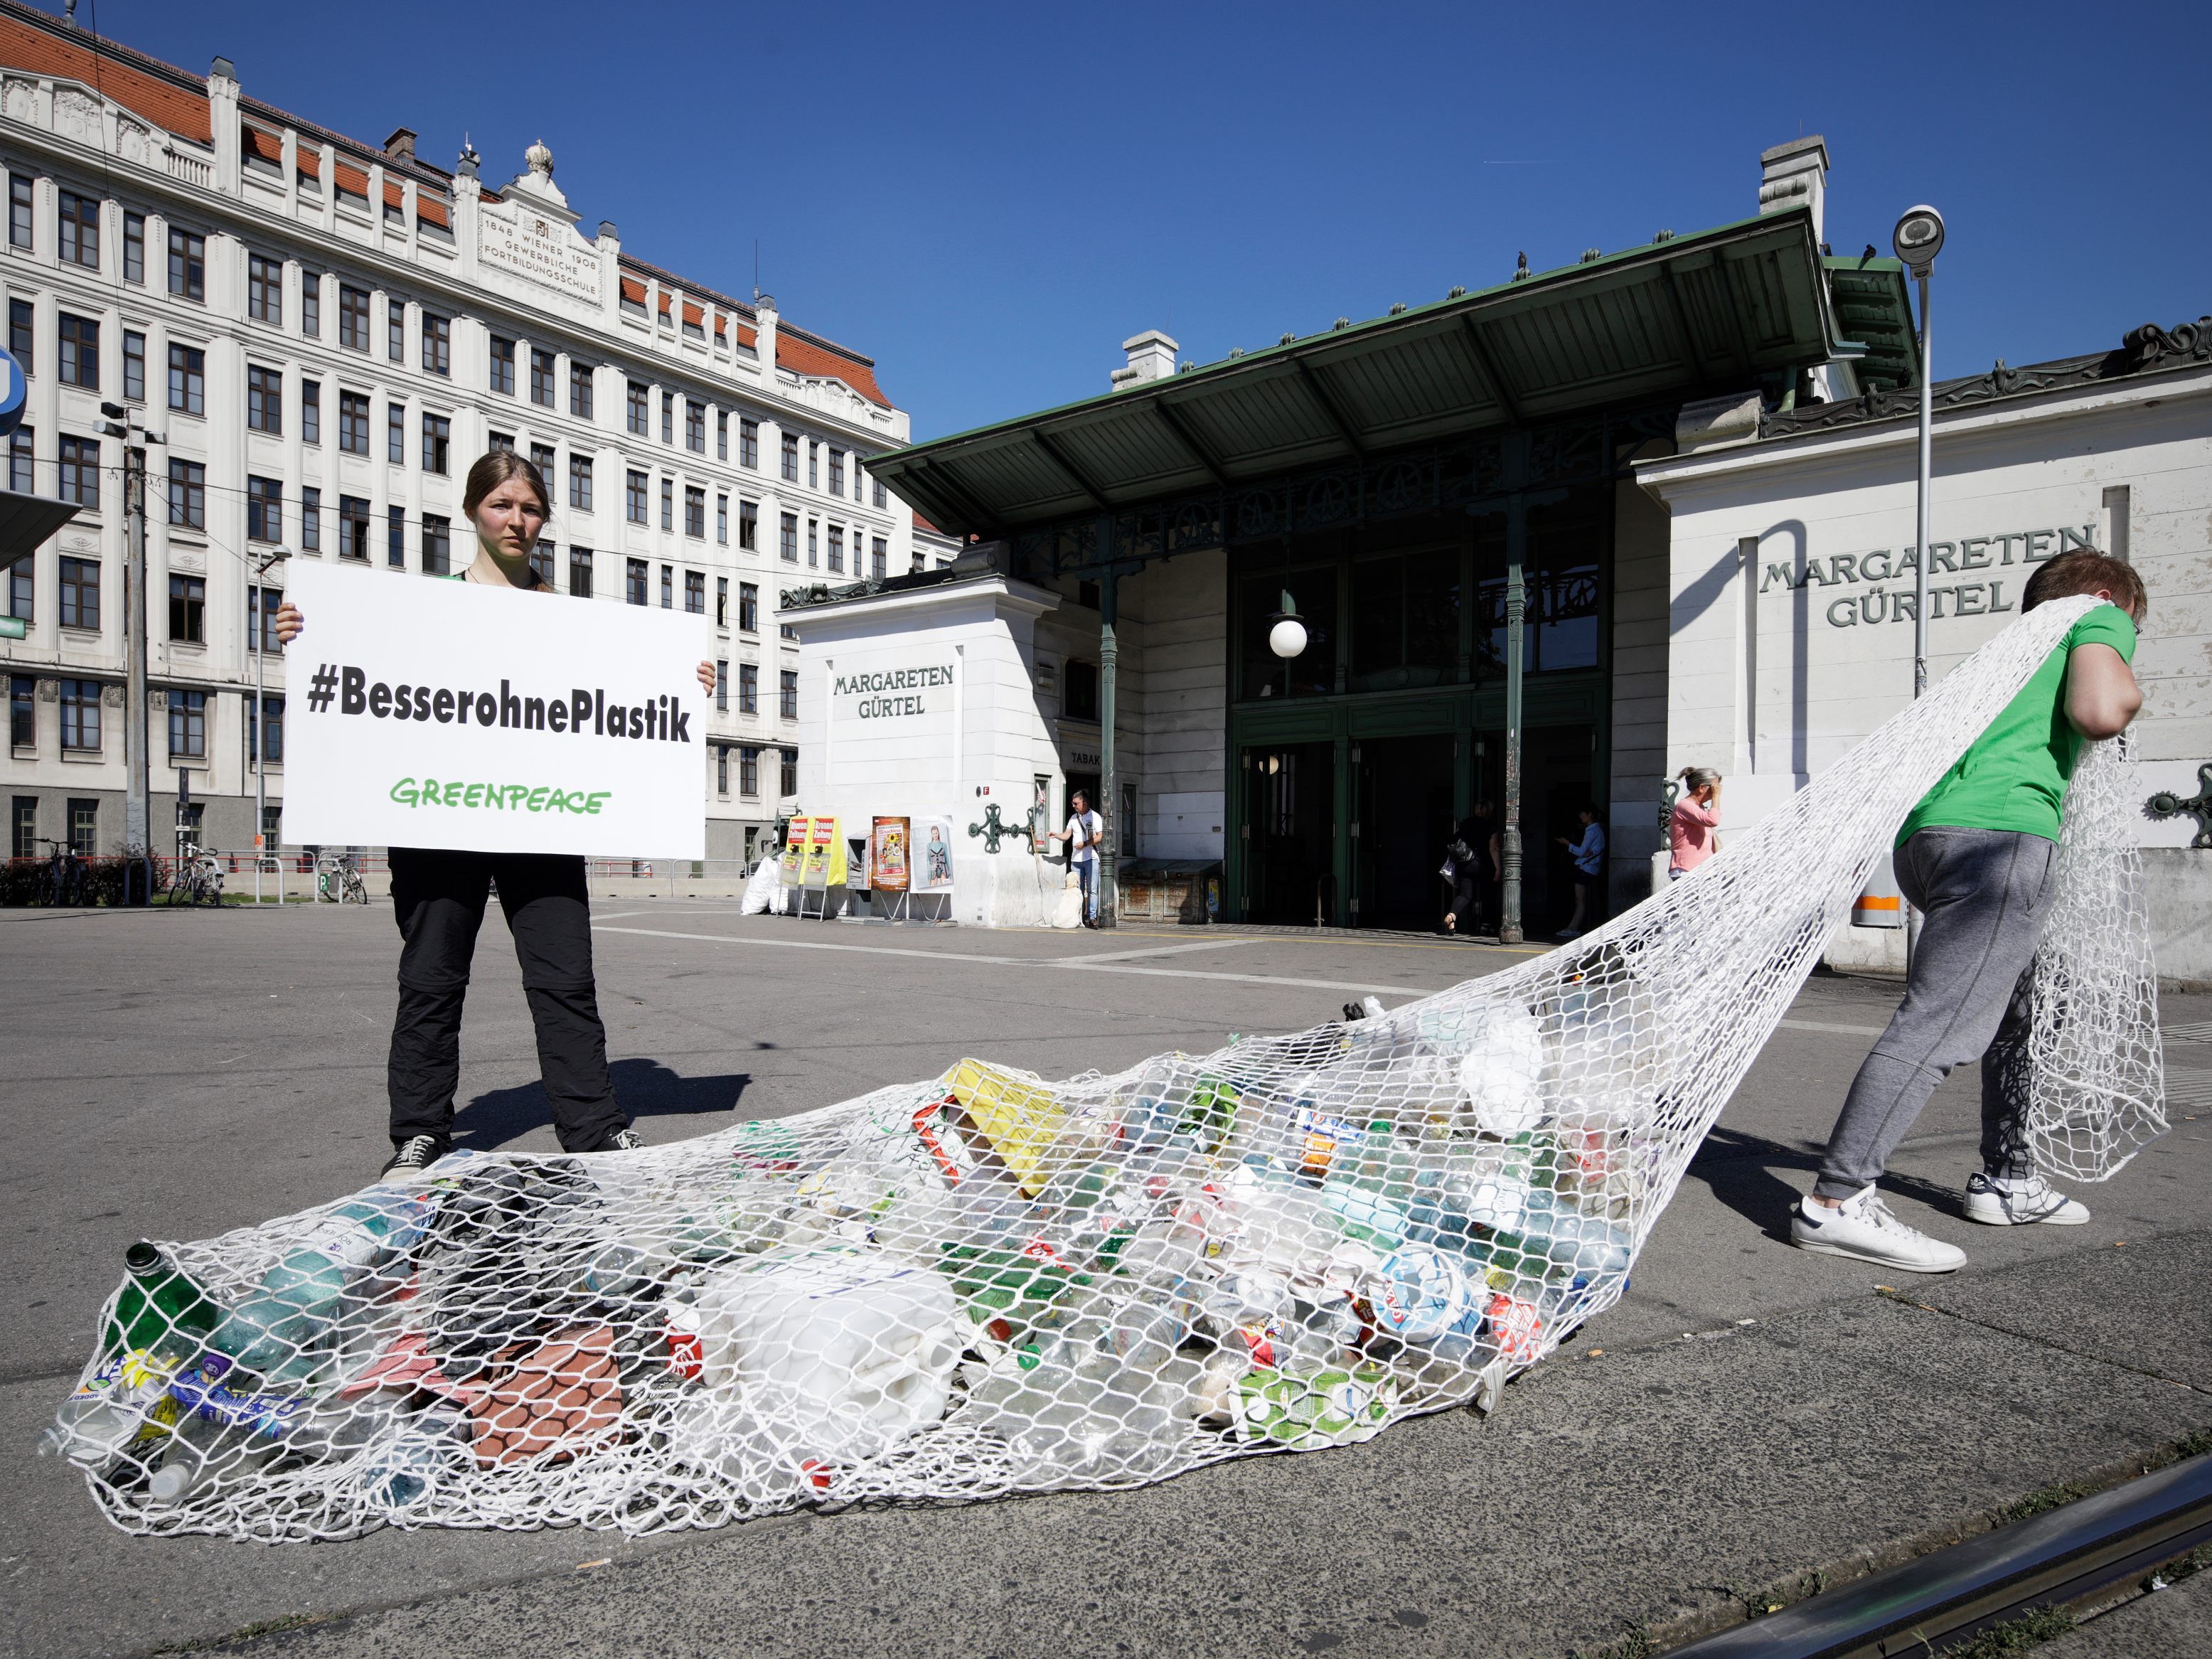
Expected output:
(438, 895)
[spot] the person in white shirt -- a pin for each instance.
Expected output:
(1588, 852)
(1082, 838)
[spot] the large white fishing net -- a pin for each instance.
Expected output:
(990, 1283)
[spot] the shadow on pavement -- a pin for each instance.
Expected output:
(1740, 1170)
(645, 1087)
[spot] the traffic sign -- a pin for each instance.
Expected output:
(11, 394)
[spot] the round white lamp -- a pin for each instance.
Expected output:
(1287, 638)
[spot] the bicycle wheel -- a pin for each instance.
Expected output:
(355, 889)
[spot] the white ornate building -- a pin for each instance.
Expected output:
(326, 335)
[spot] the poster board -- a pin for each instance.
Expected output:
(890, 842)
(932, 860)
(824, 864)
(793, 856)
(452, 714)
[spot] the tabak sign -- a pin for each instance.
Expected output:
(1984, 595)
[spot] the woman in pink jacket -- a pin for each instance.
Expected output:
(1693, 833)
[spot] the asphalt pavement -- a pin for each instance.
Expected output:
(1748, 1419)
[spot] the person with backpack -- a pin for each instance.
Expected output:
(1082, 835)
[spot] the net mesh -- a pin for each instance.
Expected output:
(990, 1283)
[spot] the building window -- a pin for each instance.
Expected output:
(722, 770)
(814, 464)
(395, 537)
(272, 753)
(264, 399)
(437, 344)
(694, 592)
(188, 379)
(580, 392)
(634, 409)
(311, 520)
(134, 249)
(813, 542)
(541, 377)
(20, 209)
(668, 417)
(748, 771)
(79, 227)
(353, 317)
(437, 443)
(879, 485)
(788, 542)
(22, 334)
(836, 472)
(668, 587)
(81, 594)
(748, 688)
(634, 582)
(747, 608)
(353, 422)
(789, 682)
(265, 290)
(395, 433)
(580, 483)
(542, 558)
(749, 443)
(22, 468)
(787, 780)
(790, 457)
(695, 513)
(722, 520)
(504, 441)
(541, 457)
(264, 510)
(84, 815)
(748, 525)
(188, 609)
(133, 367)
(395, 328)
(695, 426)
(188, 494)
(721, 434)
(502, 365)
(80, 717)
(80, 470)
(311, 411)
(23, 734)
(579, 572)
(668, 504)
(438, 546)
(353, 528)
(311, 304)
(22, 591)
(721, 602)
(837, 547)
(261, 607)
(80, 352)
(188, 726)
(722, 692)
(188, 264)
(633, 498)
(878, 559)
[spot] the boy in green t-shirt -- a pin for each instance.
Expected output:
(1976, 857)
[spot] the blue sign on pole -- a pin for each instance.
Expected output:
(11, 394)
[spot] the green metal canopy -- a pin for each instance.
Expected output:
(26, 521)
(1723, 310)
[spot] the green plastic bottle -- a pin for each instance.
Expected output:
(162, 1310)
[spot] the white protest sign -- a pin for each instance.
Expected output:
(446, 713)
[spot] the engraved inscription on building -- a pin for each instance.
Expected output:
(544, 250)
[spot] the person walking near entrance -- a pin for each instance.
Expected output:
(1472, 857)
(1977, 858)
(1693, 827)
(438, 897)
(1082, 838)
(1588, 851)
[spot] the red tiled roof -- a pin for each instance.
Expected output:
(694, 316)
(353, 179)
(664, 299)
(395, 193)
(748, 337)
(115, 71)
(920, 523)
(267, 145)
(803, 355)
(431, 208)
(633, 292)
(310, 159)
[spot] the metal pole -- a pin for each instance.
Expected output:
(1108, 655)
(1920, 566)
(1516, 601)
(260, 742)
(137, 786)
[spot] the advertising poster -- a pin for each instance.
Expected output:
(890, 865)
(933, 858)
(436, 714)
(825, 855)
(795, 853)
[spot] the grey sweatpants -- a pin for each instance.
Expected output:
(1983, 893)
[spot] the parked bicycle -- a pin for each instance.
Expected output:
(339, 882)
(199, 878)
(64, 874)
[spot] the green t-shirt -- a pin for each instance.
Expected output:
(2014, 776)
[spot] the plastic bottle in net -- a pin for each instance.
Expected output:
(990, 1283)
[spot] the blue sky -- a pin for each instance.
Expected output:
(988, 199)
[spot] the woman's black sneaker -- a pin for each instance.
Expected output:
(416, 1152)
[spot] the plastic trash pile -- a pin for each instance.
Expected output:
(989, 1283)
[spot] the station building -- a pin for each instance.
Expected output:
(326, 334)
(1643, 438)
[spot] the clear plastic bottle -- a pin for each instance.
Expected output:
(279, 1332)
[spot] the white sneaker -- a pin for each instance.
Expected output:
(1863, 1228)
(1997, 1203)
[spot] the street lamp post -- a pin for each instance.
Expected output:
(1917, 238)
(138, 771)
(1286, 638)
(259, 724)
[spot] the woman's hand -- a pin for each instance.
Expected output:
(707, 679)
(289, 622)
